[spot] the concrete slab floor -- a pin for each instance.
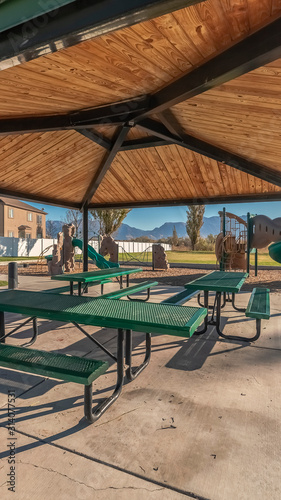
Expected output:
(202, 421)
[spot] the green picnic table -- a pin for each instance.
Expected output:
(125, 316)
(220, 282)
(100, 276)
(227, 282)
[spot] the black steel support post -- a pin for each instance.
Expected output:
(85, 237)
(2, 327)
(133, 373)
(12, 275)
(93, 415)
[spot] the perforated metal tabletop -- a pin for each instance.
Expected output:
(90, 276)
(219, 281)
(137, 316)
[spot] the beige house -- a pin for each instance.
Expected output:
(20, 220)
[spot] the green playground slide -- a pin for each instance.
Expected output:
(98, 259)
(275, 251)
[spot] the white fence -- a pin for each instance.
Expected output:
(138, 246)
(18, 247)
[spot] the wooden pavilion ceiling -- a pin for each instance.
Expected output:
(61, 120)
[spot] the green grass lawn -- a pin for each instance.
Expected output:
(6, 259)
(3, 283)
(202, 258)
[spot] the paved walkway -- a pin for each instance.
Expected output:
(202, 421)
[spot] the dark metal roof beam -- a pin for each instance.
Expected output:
(21, 195)
(149, 142)
(255, 51)
(96, 137)
(71, 24)
(105, 165)
(206, 149)
(115, 113)
(245, 198)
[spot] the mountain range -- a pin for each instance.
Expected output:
(211, 225)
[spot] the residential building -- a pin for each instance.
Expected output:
(20, 220)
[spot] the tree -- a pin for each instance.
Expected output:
(50, 229)
(74, 217)
(175, 239)
(109, 219)
(194, 222)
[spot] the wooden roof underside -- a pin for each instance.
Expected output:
(201, 119)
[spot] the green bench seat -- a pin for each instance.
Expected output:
(59, 366)
(181, 297)
(66, 289)
(145, 285)
(258, 306)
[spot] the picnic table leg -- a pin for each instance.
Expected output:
(206, 319)
(2, 327)
(128, 279)
(213, 306)
(132, 373)
(92, 415)
(35, 334)
(71, 287)
(121, 282)
(242, 309)
(234, 337)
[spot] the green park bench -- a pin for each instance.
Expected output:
(145, 285)
(258, 308)
(181, 297)
(58, 366)
(66, 289)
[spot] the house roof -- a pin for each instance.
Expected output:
(20, 204)
(167, 102)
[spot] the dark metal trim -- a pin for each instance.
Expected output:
(117, 112)
(85, 238)
(96, 137)
(218, 154)
(105, 165)
(245, 198)
(71, 24)
(252, 52)
(149, 142)
(20, 195)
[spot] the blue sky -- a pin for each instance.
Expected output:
(149, 218)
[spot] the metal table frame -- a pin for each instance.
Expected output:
(218, 305)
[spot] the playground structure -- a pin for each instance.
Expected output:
(239, 238)
(159, 258)
(63, 256)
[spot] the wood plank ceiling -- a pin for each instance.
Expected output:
(242, 116)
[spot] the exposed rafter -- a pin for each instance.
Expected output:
(256, 50)
(105, 165)
(21, 195)
(114, 113)
(76, 22)
(149, 142)
(206, 149)
(96, 137)
(194, 201)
